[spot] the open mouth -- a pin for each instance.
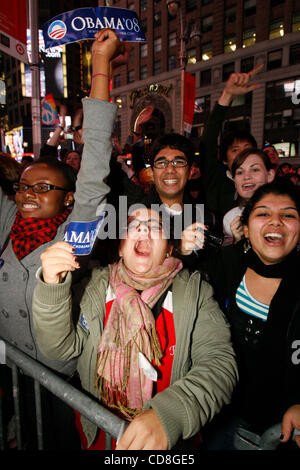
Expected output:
(274, 238)
(248, 187)
(142, 248)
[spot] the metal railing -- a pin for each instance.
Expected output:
(86, 406)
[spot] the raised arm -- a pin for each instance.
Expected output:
(212, 174)
(99, 115)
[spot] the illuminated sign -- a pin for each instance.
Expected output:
(14, 141)
(52, 76)
(154, 88)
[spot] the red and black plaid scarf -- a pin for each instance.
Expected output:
(28, 234)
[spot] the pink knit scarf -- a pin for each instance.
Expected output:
(130, 329)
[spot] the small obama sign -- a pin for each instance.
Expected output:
(82, 235)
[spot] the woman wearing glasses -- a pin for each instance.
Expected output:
(44, 196)
(151, 342)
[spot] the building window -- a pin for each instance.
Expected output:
(157, 45)
(296, 22)
(143, 50)
(143, 72)
(144, 25)
(157, 67)
(206, 52)
(172, 39)
(249, 38)
(157, 19)
(280, 114)
(229, 44)
(117, 81)
(172, 62)
(230, 16)
(205, 2)
(191, 56)
(249, 7)
(276, 29)
(247, 64)
(130, 77)
(191, 5)
(144, 5)
(274, 59)
(205, 77)
(207, 24)
(295, 54)
(228, 69)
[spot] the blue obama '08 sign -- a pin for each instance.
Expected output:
(83, 23)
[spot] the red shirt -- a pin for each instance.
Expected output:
(166, 335)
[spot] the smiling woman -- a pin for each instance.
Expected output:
(250, 169)
(257, 283)
(39, 217)
(35, 199)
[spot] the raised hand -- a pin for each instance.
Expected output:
(57, 260)
(144, 116)
(106, 46)
(238, 84)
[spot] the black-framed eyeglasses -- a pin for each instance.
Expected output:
(177, 163)
(36, 188)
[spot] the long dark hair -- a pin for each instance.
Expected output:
(278, 188)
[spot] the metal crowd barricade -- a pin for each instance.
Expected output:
(91, 409)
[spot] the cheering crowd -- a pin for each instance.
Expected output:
(186, 321)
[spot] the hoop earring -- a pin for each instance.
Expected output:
(247, 245)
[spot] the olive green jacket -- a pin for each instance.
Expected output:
(204, 370)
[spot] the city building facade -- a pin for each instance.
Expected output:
(236, 35)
